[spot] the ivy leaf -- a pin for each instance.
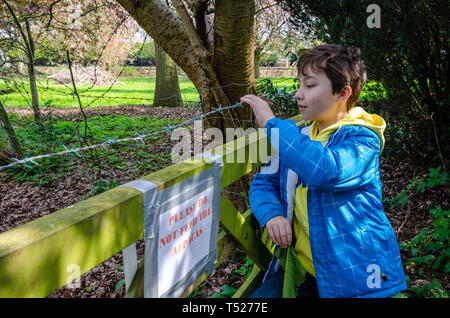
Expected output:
(120, 283)
(447, 268)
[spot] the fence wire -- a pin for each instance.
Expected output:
(110, 141)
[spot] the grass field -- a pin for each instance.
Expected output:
(133, 91)
(135, 158)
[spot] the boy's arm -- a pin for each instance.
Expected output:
(264, 196)
(347, 165)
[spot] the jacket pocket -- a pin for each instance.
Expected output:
(385, 254)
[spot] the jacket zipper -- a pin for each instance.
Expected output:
(330, 141)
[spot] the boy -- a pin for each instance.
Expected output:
(325, 199)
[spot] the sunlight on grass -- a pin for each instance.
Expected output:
(132, 91)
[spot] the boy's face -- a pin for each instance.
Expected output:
(315, 97)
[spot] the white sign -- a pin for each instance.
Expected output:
(184, 238)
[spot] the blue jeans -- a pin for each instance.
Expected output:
(273, 287)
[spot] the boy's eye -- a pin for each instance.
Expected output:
(309, 86)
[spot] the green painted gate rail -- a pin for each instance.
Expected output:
(35, 257)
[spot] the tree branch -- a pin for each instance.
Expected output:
(16, 20)
(170, 34)
(199, 9)
(47, 25)
(203, 55)
(194, 38)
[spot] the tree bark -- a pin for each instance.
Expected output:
(234, 41)
(167, 88)
(258, 52)
(28, 42)
(14, 141)
(34, 93)
(168, 31)
(221, 73)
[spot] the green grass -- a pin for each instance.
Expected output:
(58, 133)
(133, 91)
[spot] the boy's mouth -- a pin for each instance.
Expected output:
(302, 107)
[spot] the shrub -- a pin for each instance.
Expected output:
(408, 54)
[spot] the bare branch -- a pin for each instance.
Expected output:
(19, 26)
(170, 35)
(47, 25)
(265, 8)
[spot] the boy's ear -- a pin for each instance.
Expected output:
(345, 94)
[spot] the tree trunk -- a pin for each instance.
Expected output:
(34, 93)
(234, 41)
(221, 76)
(21, 68)
(257, 62)
(167, 88)
(161, 23)
(28, 44)
(14, 141)
(32, 75)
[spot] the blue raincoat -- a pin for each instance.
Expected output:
(354, 249)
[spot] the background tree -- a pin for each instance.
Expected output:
(21, 25)
(217, 57)
(94, 32)
(273, 32)
(143, 53)
(13, 140)
(408, 54)
(225, 58)
(167, 88)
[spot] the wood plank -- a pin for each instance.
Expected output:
(239, 228)
(225, 246)
(242, 156)
(250, 284)
(35, 257)
(171, 175)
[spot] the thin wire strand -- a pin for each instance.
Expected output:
(108, 142)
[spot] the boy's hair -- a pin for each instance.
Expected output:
(342, 65)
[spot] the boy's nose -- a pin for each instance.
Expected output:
(298, 95)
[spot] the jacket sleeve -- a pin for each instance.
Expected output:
(347, 164)
(264, 196)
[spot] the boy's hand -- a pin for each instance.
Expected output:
(280, 231)
(260, 107)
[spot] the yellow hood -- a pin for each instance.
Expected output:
(356, 116)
